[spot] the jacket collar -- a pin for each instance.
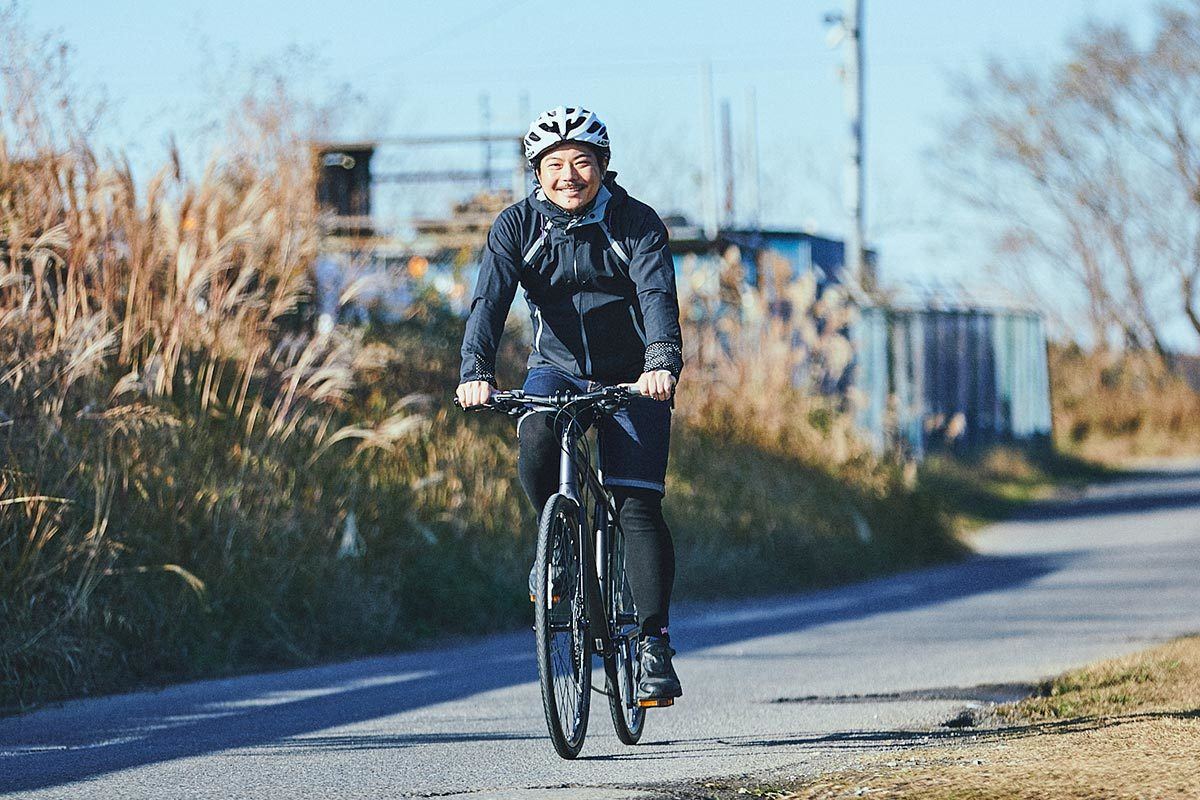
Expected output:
(594, 212)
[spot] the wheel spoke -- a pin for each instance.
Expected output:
(628, 717)
(567, 668)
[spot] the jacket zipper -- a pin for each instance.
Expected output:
(587, 355)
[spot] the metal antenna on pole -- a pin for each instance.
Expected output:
(849, 27)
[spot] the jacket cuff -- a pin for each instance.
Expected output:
(664, 355)
(476, 368)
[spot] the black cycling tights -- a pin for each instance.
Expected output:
(649, 551)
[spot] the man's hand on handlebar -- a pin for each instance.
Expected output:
(474, 393)
(658, 384)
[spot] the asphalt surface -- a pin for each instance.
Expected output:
(798, 684)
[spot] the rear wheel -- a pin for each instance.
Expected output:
(629, 719)
(563, 650)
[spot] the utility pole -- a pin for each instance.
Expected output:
(755, 203)
(849, 29)
(485, 113)
(520, 173)
(727, 158)
(709, 169)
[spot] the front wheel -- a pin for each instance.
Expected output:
(560, 624)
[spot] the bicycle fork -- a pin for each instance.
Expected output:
(593, 544)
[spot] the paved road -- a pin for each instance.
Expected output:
(771, 685)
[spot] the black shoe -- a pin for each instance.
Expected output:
(656, 677)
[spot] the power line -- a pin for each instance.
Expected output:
(485, 17)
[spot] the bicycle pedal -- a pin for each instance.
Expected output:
(554, 599)
(656, 702)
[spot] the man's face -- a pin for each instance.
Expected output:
(570, 175)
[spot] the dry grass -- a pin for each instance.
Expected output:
(1125, 728)
(1113, 407)
(1131, 759)
(745, 362)
(1164, 679)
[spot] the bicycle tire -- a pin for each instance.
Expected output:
(620, 666)
(564, 653)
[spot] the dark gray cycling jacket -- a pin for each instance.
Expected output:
(600, 288)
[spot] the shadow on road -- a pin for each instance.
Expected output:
(1106, 504)
(1151, 474)
(86, 739)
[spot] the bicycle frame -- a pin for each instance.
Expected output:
(602, 602)
(595, 562)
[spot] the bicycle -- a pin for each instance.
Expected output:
(592, 580)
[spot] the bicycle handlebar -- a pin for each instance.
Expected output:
(516, 401)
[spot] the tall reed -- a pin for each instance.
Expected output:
(768, 362)
(165, 414)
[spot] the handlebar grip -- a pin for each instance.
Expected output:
(458, 404)
(494, 403)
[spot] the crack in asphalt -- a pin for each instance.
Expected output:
(983, 693)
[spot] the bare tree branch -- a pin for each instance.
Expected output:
(1090, 172)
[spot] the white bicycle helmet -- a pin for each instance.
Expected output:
(563, 124)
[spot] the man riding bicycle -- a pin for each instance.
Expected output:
(600, 284)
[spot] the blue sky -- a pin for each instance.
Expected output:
(421, 68)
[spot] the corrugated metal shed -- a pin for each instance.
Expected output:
(960, 370)
(871, 374)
